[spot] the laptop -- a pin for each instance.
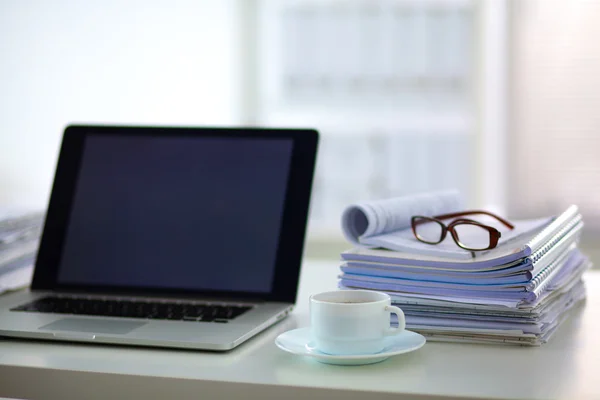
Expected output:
(171, 237)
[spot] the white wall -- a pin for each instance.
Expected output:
(555, 106)
(109, 61)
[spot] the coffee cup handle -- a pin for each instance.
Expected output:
(401, 320)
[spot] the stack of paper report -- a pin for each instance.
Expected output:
(517, 293)
(19, 239)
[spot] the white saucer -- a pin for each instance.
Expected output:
(298, 341)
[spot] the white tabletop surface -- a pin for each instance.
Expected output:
(567, 368)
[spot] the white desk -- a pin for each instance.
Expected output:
(567, 368)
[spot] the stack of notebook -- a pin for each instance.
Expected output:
(516, 293)
(19, 239)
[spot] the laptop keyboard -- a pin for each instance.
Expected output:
(135, 309)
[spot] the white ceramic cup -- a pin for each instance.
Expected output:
(352, 321)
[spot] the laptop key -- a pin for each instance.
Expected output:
(237, 311)
(224, 313)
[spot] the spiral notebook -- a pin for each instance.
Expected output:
(573, 265)
(522, 270)
(387, 224)
(563, 230)
(474, 281)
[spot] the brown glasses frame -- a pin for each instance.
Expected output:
(494, 233)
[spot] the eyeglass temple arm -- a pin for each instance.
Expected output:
(461, 214)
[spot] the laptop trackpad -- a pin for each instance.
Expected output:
(93, 326)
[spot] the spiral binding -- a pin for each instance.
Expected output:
(546, 272)
(562, 219)
(543, 286)
(538, 254)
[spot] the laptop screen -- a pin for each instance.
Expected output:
(192, 213)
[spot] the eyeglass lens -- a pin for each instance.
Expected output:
(473, 237)
(428, 230)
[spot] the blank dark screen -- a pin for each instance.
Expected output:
(195, 213)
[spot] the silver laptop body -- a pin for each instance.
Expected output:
(134, 331)
(171, 237)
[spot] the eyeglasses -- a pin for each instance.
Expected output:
(467, 233)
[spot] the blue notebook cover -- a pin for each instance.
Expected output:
(566, 259)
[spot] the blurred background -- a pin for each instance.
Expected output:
(498, 98)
